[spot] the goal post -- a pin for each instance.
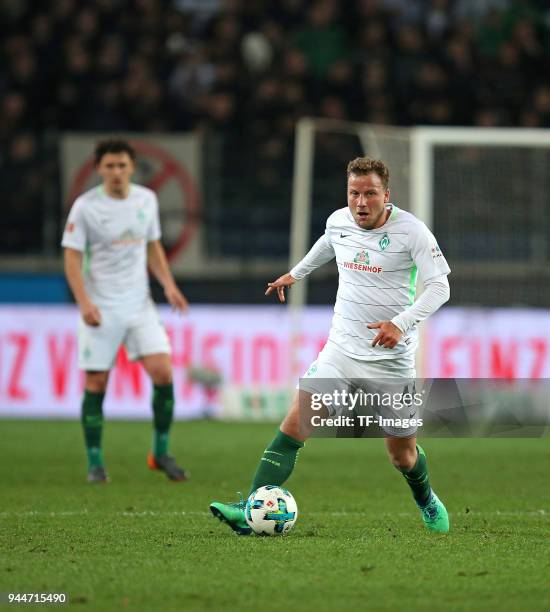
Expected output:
(301, 204)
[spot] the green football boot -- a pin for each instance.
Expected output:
(434, 514)
(233, 515)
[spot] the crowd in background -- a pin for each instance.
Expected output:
(248, 70)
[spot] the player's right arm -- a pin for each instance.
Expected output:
(286, 280)
(74, 243)
(73, 272)
(320, 253)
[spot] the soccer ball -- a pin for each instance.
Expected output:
(271, 510)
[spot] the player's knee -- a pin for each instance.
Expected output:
(161, 376)
(402, 459)
(96, 382)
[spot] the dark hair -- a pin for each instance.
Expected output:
(366, 165)
(113, 146)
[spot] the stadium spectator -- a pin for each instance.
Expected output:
(322, 40)
(477, 10)
(438, 19)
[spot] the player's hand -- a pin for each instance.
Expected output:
(91, 314)
(283, 281)
(176, 299)
(388, 336)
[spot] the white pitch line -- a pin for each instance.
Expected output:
(540, 512)
(149, 513)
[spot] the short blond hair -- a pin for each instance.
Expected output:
(366, 165)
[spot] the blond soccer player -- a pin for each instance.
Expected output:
(379, 249)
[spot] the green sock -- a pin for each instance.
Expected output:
(92, 424)
(277, 462)
(418, 480)
(163, 411)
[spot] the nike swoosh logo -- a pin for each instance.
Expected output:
(344, 235)
(412, 415)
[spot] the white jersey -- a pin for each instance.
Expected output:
(378, 271)
(113, 235)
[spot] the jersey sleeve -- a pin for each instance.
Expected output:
(427, 255)
(154, 232)
(74, 235)
(320, 253)
(435, 294)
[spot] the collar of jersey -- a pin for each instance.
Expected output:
(105, 195)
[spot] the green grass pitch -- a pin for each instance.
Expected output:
(144, 543)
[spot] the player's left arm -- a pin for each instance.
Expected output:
(432, 270)
(158, 264)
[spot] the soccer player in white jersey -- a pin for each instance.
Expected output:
(379, 250)
(112, 235)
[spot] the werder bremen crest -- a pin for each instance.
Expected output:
(362, 257)
(384, 242)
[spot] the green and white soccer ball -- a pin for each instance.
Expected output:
(271, 510)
